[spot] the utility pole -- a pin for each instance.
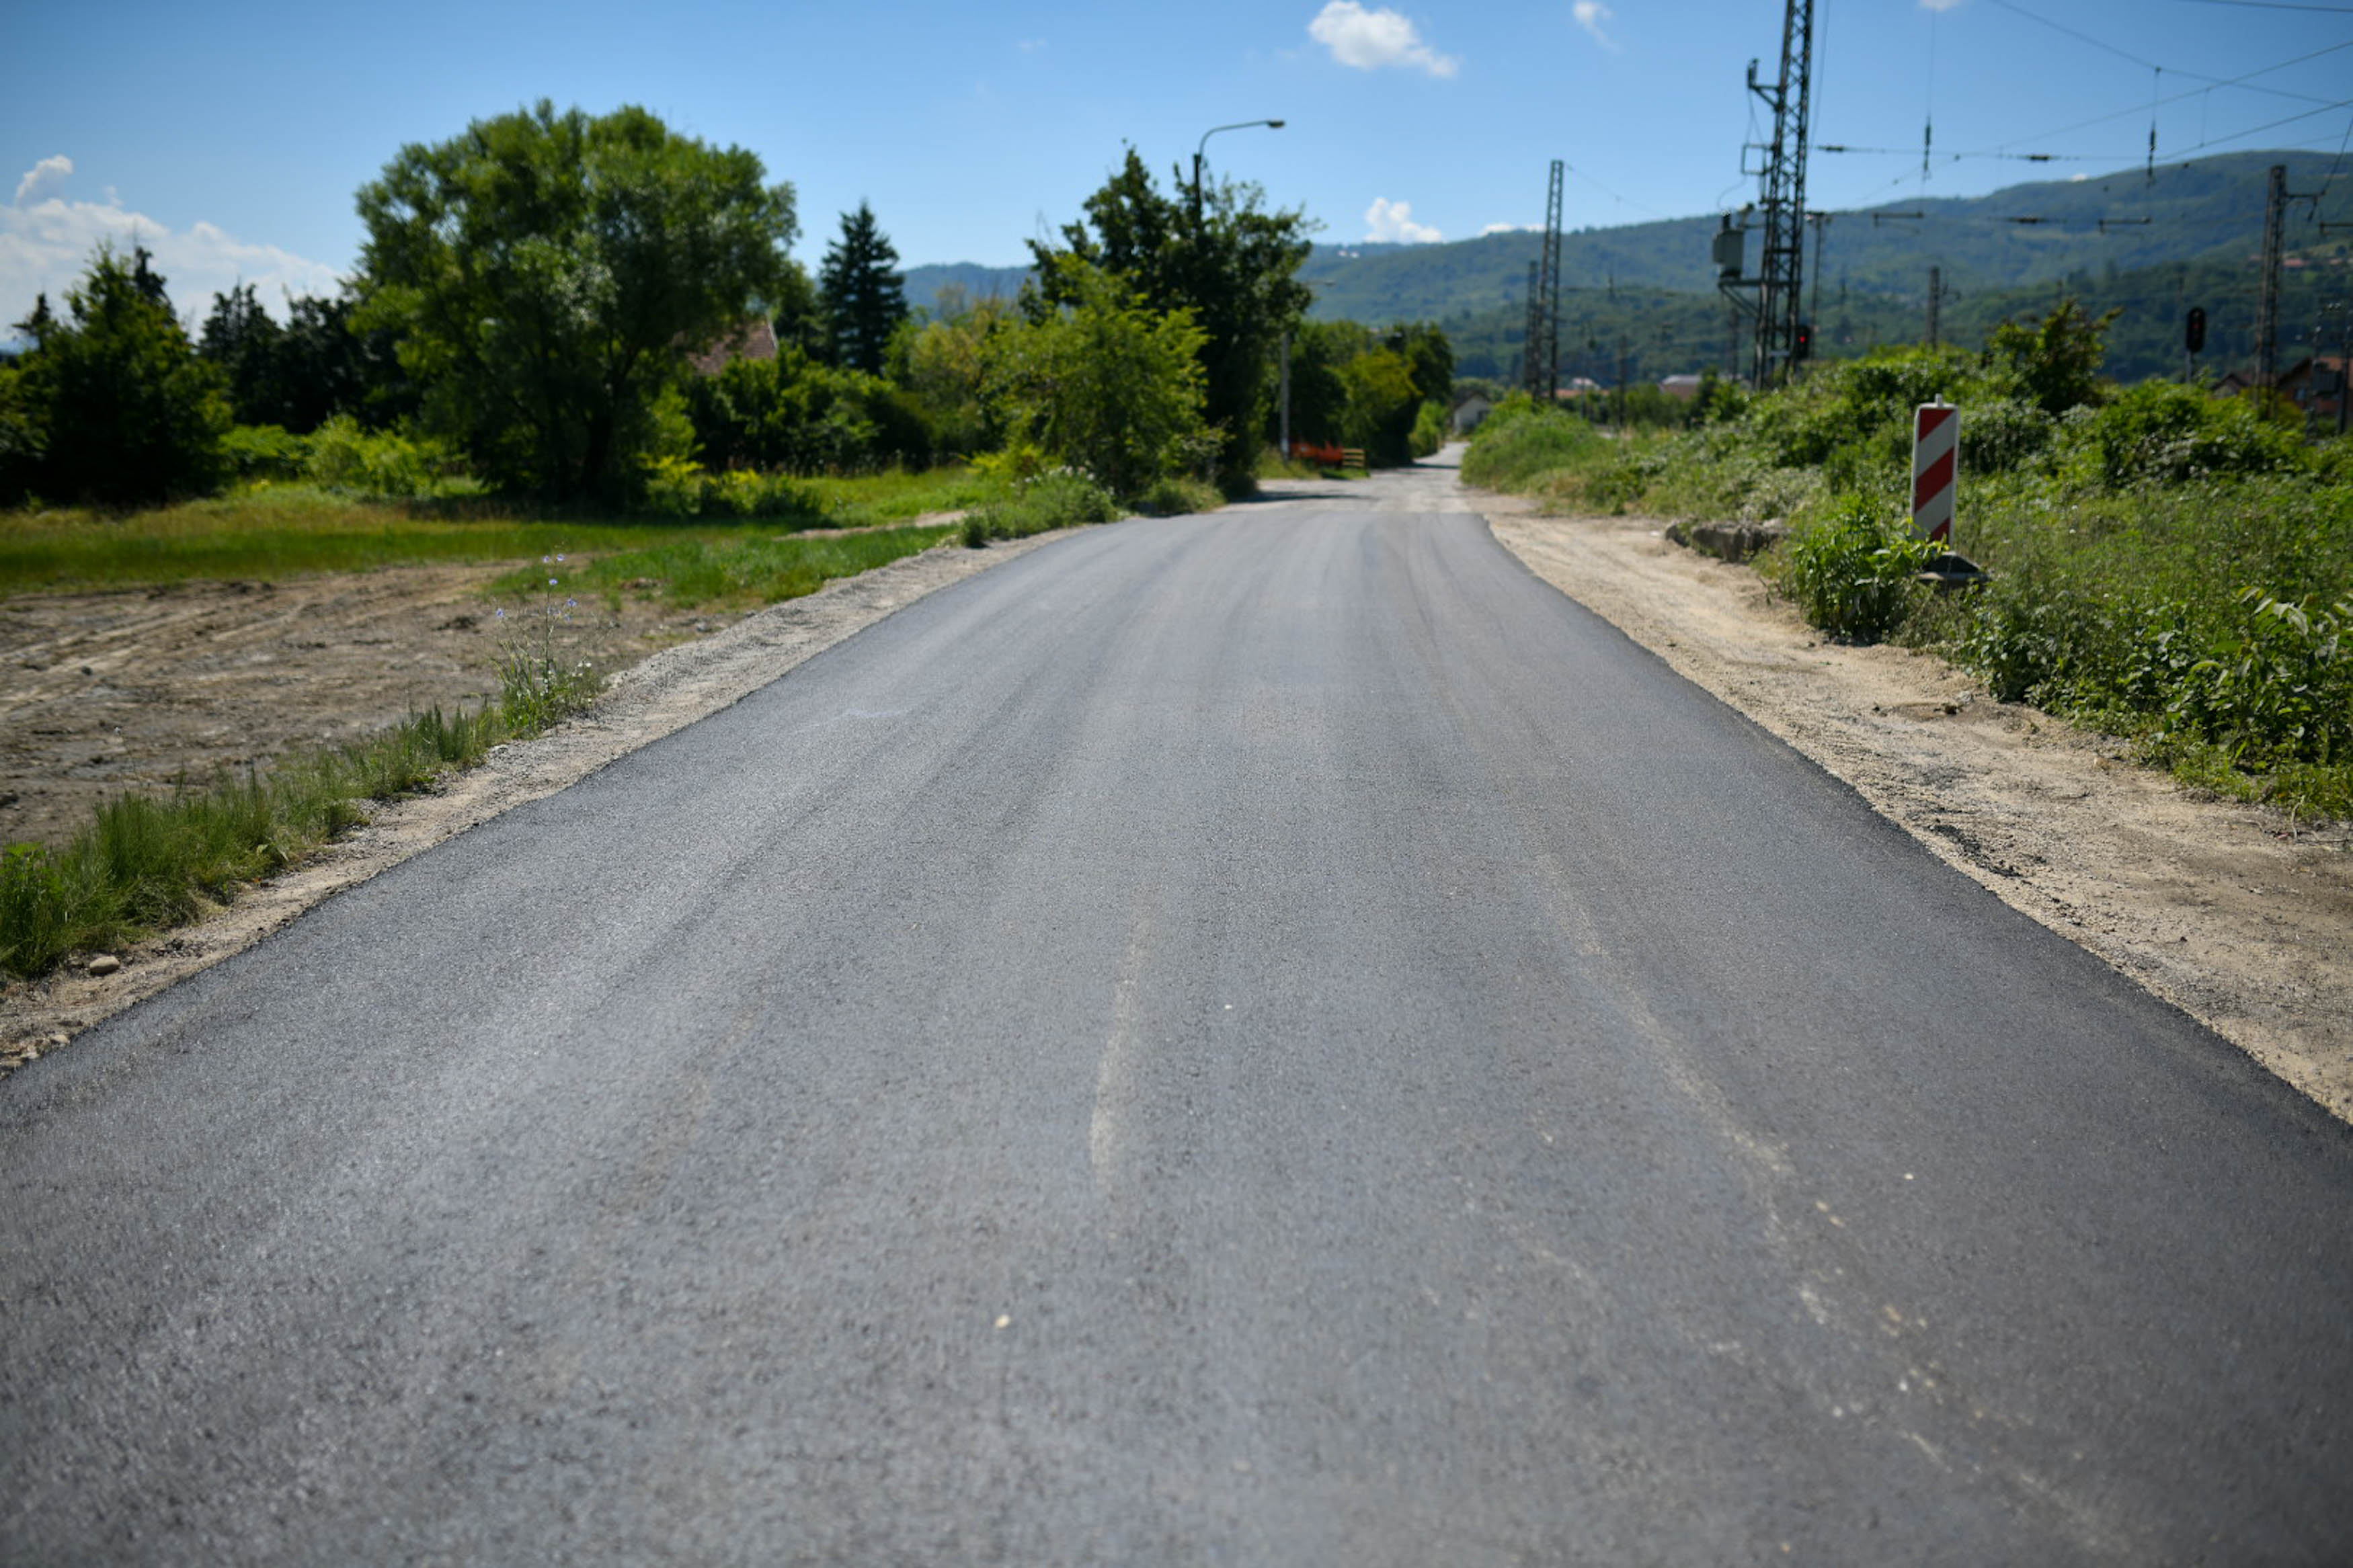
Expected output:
(1822, 222)
(1531, 370)
(2344, 365)
(1286, 394)
(1621, 385)
(2267, 309)
(1936, 305)
(2276, 195)
(1782, 193)
(1552, 279)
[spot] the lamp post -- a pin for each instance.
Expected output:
(1202, 146)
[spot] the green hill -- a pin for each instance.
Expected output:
(2207, 211)
(1667, 332)
(1650, 284)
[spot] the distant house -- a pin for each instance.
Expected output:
(1471, 411)
(1683, 386)
(756, 339)
(2317, 385)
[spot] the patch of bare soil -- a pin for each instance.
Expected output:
(112, 692)
(107, 694)
(2237, 914)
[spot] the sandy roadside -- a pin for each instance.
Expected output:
(664, 692)
(2236, 914)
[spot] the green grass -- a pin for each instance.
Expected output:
(271, 532)
(144, 865)
(739, 568)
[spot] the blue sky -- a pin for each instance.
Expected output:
(231, 136)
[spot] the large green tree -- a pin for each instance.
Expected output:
(547, 273)
(112, 400)
(1233, 266)
(1103, 383)
(862, 294)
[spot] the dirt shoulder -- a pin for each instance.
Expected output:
(138, 686)
(2234, 913)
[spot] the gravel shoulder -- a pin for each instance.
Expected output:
(2236, 914)
(145, 686)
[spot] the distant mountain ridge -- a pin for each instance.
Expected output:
(1652, 284)
(2208, 210)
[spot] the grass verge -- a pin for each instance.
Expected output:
(146, 864)
(735, 571)
(270, 531)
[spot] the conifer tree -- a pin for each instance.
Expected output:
(862, 295)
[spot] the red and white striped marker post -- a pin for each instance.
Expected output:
(1935, 451)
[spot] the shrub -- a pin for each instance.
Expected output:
(1854, 575)
(383, 464)
(1058, 499)
(263, 452)
(1177, 496)
(1520, 440)
(2159, 433)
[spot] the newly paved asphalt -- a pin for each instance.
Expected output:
(1263, 1038)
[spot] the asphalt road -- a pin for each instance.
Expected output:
(1264, 1038)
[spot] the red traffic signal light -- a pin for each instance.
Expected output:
(2194, 337)
(1801, 347)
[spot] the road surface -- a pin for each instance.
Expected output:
(1271, 1037)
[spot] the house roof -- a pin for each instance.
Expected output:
(756, 339)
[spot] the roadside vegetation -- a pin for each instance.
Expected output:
(2167, 565)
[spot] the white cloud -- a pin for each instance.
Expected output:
(1392, 223)
(1938, 4)
(1371, 39)
(1590, 15)
(46, 245)
(1510, 228)
(43, 178)
(1031, 45)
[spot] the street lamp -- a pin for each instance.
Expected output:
(1203, 145)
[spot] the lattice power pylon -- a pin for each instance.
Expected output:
(1540, 364)
(1551, 284)
(1781, 200)
(1531, 368)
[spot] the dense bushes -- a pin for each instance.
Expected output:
(2172, 565)
(1856, 573)
(1040, 505)
(793, 415)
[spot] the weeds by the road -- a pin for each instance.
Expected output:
(745, 569)
(144, 865)
(1058, 499)
(2170, 566)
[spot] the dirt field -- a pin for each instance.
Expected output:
(2234, 913)
(109, 693)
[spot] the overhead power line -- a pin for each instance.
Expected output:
(2273, 5)
(2012, 6)
(2176, 97)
